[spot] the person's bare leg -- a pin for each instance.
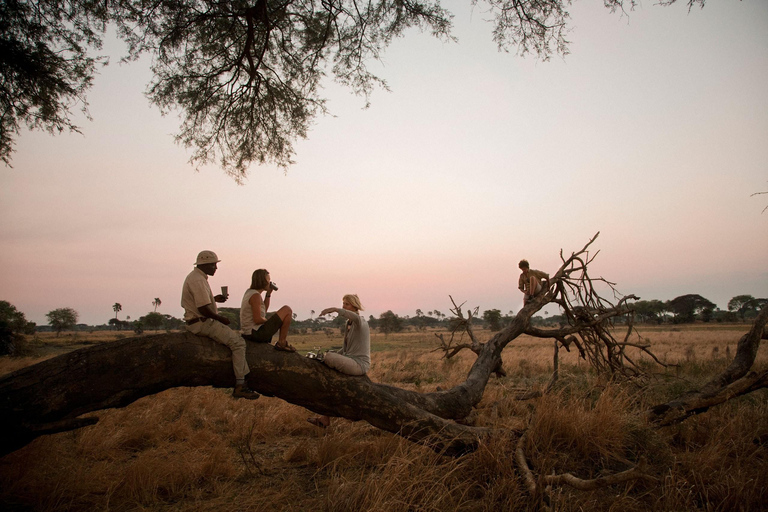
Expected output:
(286, 315)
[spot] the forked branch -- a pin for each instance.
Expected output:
(464, 325)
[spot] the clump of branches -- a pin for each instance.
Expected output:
(591, 319)
(462, 326)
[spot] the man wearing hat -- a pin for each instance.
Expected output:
(202, 318)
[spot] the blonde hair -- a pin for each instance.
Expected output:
(354, 300)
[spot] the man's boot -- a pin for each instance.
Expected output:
(243, 391)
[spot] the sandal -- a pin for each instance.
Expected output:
(317, 422)
(285, 348)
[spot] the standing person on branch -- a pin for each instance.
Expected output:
(530, 281)
(354, 358)
(254, 323)
(202, 318)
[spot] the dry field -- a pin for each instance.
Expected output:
(198, 449)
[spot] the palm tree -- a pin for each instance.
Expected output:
(156, 303)
(117, 307)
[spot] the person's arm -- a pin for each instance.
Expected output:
(521, 283)
(255, 302)
(208, 312)
(349, 315)
(267, 297)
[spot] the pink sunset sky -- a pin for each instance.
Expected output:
(653, 131)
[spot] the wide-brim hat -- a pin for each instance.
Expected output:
(207, 257)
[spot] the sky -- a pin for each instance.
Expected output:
(652, 132)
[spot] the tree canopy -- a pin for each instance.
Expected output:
(245, 75)
(686, 307)
(62, 318)
(13, 323)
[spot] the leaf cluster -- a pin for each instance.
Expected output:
(45, 65)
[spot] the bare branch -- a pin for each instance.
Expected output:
(596, 483)
(465, 326)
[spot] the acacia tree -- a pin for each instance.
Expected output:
(389, 322)
(746, 304)
(244, 74)
(493, 317)
(62, 318)
(686, 307)
(45, 63)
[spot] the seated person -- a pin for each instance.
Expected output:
(354, 358)
(254, 324)
(202, 317)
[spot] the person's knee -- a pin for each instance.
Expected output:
(285, 312)
(236, 342)
(331, 360)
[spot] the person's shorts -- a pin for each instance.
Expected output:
(268, 329)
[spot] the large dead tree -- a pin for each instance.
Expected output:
(60, 393)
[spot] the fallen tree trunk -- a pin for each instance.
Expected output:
(51, 396)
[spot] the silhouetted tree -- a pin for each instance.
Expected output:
(649, 311)
(13, 325)
(62, 318)
(686, 307)
(389, 322)
(117, 307)
(745, 305)
(493, 317)
(153, 321)
(156, 303)
(15, 319)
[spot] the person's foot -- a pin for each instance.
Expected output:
(284, 346)
(243, 391)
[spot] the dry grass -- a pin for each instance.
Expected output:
(198, 449)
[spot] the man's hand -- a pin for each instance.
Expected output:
(220, 298)
(224, 320)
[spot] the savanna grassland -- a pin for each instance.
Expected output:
(198, 449)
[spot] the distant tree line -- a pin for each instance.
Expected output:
(689, 308)
(683, 309)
